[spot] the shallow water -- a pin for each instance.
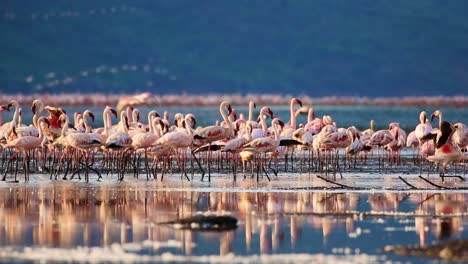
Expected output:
(278, 222)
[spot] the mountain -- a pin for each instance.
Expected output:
(317, 48)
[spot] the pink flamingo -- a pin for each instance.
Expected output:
(26, 144)
(266, 145)
(423, 129)
(236, 145)
(120, 142)
(179, 140)
(213, 133)
(460, 137)
(446, 150)
(263, 131)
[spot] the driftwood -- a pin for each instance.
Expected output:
(204, 223)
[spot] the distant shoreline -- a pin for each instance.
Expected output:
(99, 99)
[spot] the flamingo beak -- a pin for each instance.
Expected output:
(229, 109)
(281, 123)
(299, 102)
(92, 116)
(33, 108)
(194, 122)
(9, 106)
(432, 117)
(271, 113)
(113, 112)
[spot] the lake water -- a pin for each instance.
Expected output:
(278, 222)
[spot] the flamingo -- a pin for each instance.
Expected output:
(460, 137)
(370, 131)
(142, 139)
(263, 131)
(120, 139)
(381, 138)
(252, 106)
(213, 133)
(235, 146)
(180, 140)
(266, 144)
(356, 145)
(446, 150)
(399, 141)
(26, 144)
(32, 130)
(55, 129)
(423, 129)
(291, 127)
(82, 142)
(413, 142)
(7, 126)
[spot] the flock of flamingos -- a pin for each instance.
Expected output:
(65, 145)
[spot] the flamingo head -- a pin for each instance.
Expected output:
(436, 113)
(192, 120)
(422, 117)
(299, 102)
(12, 103)
(393, 125)
(280, 123)
(37, 105)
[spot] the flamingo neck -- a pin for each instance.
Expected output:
(123, 125)
(35, 117)
(106, 119)
(310, 115)
(440, 120)
(275, 130)
(292, 120)
(16, 114)
(65, 127)
(87, 126)
(39, 129)
(251, 107)
(187, 126)
(225, 117)
(150, 123)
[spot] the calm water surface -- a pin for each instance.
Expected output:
(108, 221)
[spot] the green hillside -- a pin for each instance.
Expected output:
(361, 48)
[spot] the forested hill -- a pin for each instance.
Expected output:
(317, 48)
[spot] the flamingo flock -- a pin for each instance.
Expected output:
(60, 146)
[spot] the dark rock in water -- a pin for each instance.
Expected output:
(456, 250)
(204, 223)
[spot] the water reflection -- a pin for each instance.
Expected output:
(68, 215)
